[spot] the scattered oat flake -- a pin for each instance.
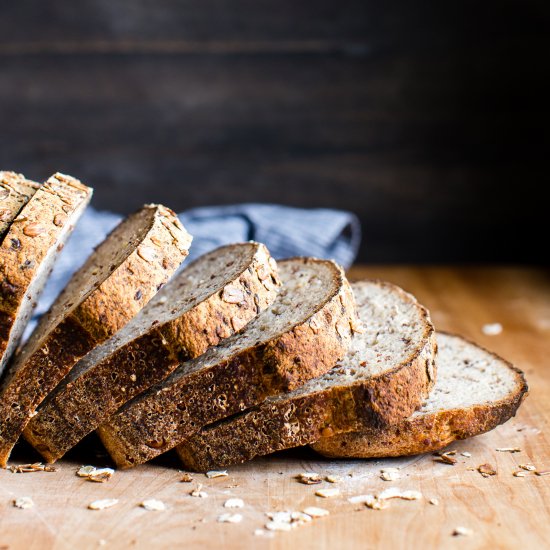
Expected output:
(35, 467)
(230, 518)
(216, 473)
(234, 503)
(85, 471)
(462, 532)
(434, 501)
(466, 454)
(446, 458)
(491, 329)
(509, 450)
(542, 472)
(315, 512)
(519, 473)
(23, 503)
(389, 474)
(101, 475)
(327, 493)
(102, 504)
(186, 478)
(198, 492)
(309, 478)
(333, 479)
(153, 505)
(528, 467)
(486, 470)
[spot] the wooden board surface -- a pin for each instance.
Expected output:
(502, 511)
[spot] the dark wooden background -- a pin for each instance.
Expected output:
(427, 119)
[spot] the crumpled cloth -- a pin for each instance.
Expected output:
(286, 231)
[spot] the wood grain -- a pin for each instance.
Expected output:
(429, 121)
(503, 511)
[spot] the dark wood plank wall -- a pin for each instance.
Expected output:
(427, 119)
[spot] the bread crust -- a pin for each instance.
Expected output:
(83, 403)
(427, 432)
(281, 424)
(15, 193)
(129, 285)
(173, 411)
(29, 248)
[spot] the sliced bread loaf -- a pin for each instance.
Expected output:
(15, 192)
(475, 391)
(29, 249)
(209, 300)
(384, 378)
(117, 280)
(304, 332)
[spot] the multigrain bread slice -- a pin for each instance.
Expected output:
(15, 191)
(475, 391)
(305, 331)
(208, 301)
(118, 279)
(28, 252)
(385, 376)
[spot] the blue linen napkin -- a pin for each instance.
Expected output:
(286, 232)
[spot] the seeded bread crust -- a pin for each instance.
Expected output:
(155, 244)
(29, 249)
(88, 396)
(200, 393)
(424, 433)
(284, 423)
(15, 192)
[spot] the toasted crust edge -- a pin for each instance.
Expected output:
(378, 401)
(241, 382)
(190, 334)
(430, 432)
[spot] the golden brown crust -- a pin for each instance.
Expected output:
(170, 412)
(119, 297)
(74, 411)
(302, 419)
(426, 432)
(29, 248)
(15, 192)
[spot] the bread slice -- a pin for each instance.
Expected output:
(117, 280)
(29, 249)
(306, 330)
(386, 374)
(15, 192)
(475, 391)
(209, 300)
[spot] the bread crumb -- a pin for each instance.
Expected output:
(492, 329)
(186, 478)
(153, 505)
(434, 501)
(230, 518)
(327, 493)
(234, 503)
(462, 532)
(315, 512)
(24, 503)
(389, 474)
(333, 479)
(198, 492)
(216, 473)
(35, 467)
(102, 504)
(309, 478)
(486, 470)
(529, 467)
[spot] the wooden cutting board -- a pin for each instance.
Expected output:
(502, 511)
